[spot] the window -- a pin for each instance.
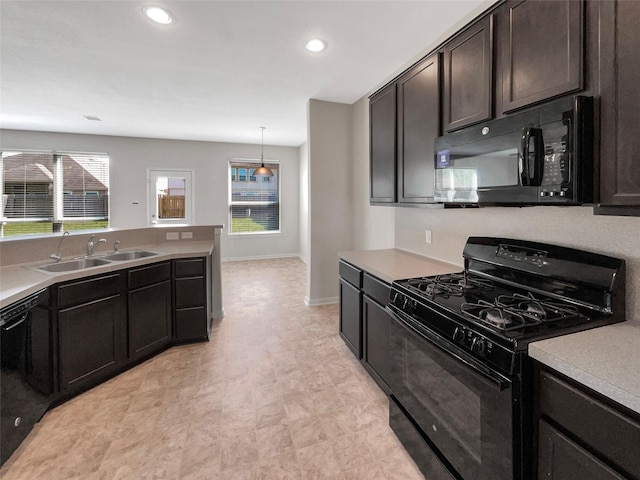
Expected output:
(254, 203)
(43, 192)
(170, 197)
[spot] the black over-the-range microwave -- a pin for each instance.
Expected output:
(542, 156)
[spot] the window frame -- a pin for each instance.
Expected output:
(190, 214)
(252, 164)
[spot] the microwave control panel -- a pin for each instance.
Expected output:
(556, 172)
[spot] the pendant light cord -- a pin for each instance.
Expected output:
(262, 148)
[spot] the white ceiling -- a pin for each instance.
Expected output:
(222, 70)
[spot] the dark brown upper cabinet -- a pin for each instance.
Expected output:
(418, 126)
(382, 137)
(468, 76)
(619, 100)
(542, 43)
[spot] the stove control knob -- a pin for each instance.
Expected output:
(479, 346)
(459, 334)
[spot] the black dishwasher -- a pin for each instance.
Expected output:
(27, 368)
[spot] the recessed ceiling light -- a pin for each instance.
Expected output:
(316, 45)
(158, 15)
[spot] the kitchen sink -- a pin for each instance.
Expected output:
(132, 255)
(72, 265)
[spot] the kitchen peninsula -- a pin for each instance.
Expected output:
(71, 324)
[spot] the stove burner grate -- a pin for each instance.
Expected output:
(450, 284)
(509, 312)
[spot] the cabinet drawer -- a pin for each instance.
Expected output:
(149, 274)
(84, 291)
(191, 323)
(189, 267)
(189, 292)
(606, 430)
(376, 289)
(350, 273)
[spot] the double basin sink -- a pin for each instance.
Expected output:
(88, 262)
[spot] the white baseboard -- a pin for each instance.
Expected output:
(320, 301)
(262, 257)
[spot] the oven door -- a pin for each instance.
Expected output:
(460, 408)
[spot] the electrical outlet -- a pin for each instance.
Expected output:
(173, 235)
(427, 236)
(187, 235)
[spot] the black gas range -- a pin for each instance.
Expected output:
(460, 376)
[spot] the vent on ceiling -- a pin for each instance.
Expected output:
(92, 117)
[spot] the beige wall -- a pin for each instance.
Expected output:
(304, 202)
(130, 158)
(330, 184)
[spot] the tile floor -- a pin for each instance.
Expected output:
(275, 394)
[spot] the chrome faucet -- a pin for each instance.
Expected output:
(58, 255)
(116, 245)
(91, 245)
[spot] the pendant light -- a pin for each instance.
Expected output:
(262, 171)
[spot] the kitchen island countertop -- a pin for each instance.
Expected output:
(605, 359)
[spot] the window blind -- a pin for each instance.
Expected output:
(43, 191)
(254, 205)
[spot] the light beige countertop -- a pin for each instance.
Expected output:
(18, 281)
(605, 359)
(395, 264)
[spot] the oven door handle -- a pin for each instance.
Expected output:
(475, 368)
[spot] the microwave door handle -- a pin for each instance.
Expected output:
(528, 177)
(523, 167)
(538, 157)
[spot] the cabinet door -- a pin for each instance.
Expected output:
(382, 138)
(375, 341)
(418, 126)
(559, 458)
(91, 341)
(149, 319)
(351, 316)
(619, 100)
(468, 76)
(542, 50)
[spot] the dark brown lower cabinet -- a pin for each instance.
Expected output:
(190, 297)
(92, 336)
(350, 328)
(375, 330)
(375, 340)
(149, 309)
(560, 458)
(583, 435)
(351, 317)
